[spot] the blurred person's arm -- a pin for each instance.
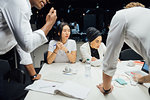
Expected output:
(26, 60)
(32, 72)
(51, 55)
(114, 44)
(141, 79)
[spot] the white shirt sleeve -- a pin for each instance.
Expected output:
(114, 43)
(84, 50)
(73, 46)
(52, 46)
(17, 16)
(25, 58)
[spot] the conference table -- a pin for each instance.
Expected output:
(54, 72)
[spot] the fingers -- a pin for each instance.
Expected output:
(51, 17)
(100, 87)
(45, 2)
(38, 77)
(59, 45)
(136, 77)
(54, 12)
(48, 1)
(93, 59)
(51, 11)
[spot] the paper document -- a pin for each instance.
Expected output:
(74, 90)
(68, 88)
(44, 86)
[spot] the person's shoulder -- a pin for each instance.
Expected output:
(123, 11)
(84, 45)
(120, 12)
(52, 42)
(71, 41)
(103, 45)
(20, 3)
(23, 6)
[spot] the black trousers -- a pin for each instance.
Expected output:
(10, 56)
(11, 90)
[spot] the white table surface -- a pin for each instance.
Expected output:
(54, 72)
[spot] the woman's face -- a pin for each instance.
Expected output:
(65, 32)
(96, 42)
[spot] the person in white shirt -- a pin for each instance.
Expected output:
(15, 28)
(62, 49)
(94, 49)
(130, 25)
(15, 25)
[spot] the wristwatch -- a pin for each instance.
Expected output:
(34, 76)
(106, 91)
(67, 51)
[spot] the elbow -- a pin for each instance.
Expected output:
(26, 47)
(28, 50)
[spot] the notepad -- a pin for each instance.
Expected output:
(68, 88)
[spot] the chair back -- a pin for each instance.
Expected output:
(4, 68)
(45, 56)
(129, 54)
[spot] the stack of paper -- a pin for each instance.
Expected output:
(68, 88)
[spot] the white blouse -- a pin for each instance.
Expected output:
(86, 53)
(61, 56)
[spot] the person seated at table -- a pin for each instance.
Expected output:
(62, 49)
(94, 49)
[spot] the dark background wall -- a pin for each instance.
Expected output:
(96, 13)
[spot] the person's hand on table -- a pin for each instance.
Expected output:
(101, 88)
(136, 77)
(37, 77)
(93, 59)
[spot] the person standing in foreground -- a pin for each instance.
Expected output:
(15, 29)
(130, 25)
(15, 25)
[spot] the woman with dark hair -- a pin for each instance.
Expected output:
(62, 49)
(94, 49)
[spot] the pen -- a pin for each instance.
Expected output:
(48, 86)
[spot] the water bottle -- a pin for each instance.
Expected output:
(87, 68)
